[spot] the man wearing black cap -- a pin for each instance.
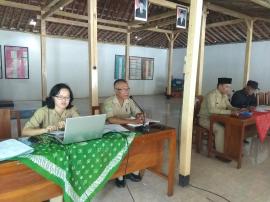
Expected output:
(245, 98)
(217, 102)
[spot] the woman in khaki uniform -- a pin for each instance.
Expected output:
(52, 116)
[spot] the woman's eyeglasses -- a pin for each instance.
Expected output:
(62, 98)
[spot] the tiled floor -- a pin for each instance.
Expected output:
(250, 183)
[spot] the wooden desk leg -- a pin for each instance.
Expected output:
(210, 139)
(239, 162)
(171, 169)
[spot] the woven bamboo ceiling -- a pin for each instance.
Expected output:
(226, 20)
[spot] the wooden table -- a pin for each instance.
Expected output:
(20, 183)
(233, 136)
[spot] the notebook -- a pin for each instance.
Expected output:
(12, 148)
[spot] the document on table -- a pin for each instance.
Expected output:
(147, 121)
(262, 108)
(114, 128)
(11, 148)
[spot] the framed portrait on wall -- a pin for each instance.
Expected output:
(1, 72)
(16, 62)
(181, 17)
(140, 10)
(119, 67)
(141, 68)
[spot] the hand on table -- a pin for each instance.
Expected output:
(235, 113)
(60, 125)
(51, 128)
(140, 116)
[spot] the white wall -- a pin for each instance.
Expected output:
(67, 61)
(228, 61)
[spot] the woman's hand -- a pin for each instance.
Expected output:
(51, 128)
(60, 125)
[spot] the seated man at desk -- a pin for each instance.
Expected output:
(52, 116)
(245, 98)
(120, 109)
(217, 102)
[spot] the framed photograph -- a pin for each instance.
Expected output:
(119, 67)
(16, 62)
(140, 10)
(1, 73)
(141, 68)
(181, 17)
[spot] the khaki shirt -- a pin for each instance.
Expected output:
(112, 108)
(215, 103)
(45, 117)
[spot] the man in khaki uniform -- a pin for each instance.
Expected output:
(120, 109)
(217, 102)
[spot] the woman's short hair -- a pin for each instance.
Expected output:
(55, 91)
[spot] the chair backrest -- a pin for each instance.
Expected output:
(260, 98)
(197, 107)
(267, 98)
(96, 109)
(5, 122)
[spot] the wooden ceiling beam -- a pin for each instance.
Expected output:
(147, 26)
(49, 5)
(263, 19)
(160, 30)
(53, 9)
(210, 6)
(262, 3)
(164, 3)
(154, 18)
(20, 5)
(226, 11)
(224, 23)
(239, 32)
(82, 24)
(20, 19)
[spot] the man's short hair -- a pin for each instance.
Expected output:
(119, 81)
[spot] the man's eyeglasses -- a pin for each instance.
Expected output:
(62, 98)
(123, 89)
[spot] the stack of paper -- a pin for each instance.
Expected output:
(11, 148)
(263, 108)
(147, 121)
(114, 128)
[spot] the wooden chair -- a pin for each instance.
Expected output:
(96, 109)
(260, 98)
(267, 98)
(5, 122)
(200, 132)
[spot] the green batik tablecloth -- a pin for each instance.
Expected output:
(80, 169)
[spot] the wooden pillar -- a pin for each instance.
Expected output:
(92, 51)
(169, 79)
(43, 59)
(201, 53)
(190, 72)
(127, 56)
(248, 50)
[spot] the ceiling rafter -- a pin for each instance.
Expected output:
(54, 8)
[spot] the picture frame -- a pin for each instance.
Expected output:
(120, 67)
(1, 72)
(16, 62)
(141, 10)
(181, 16)
(141, 68)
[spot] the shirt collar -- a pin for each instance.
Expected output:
(116, 101)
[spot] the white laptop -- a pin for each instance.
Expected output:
(79, 129)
